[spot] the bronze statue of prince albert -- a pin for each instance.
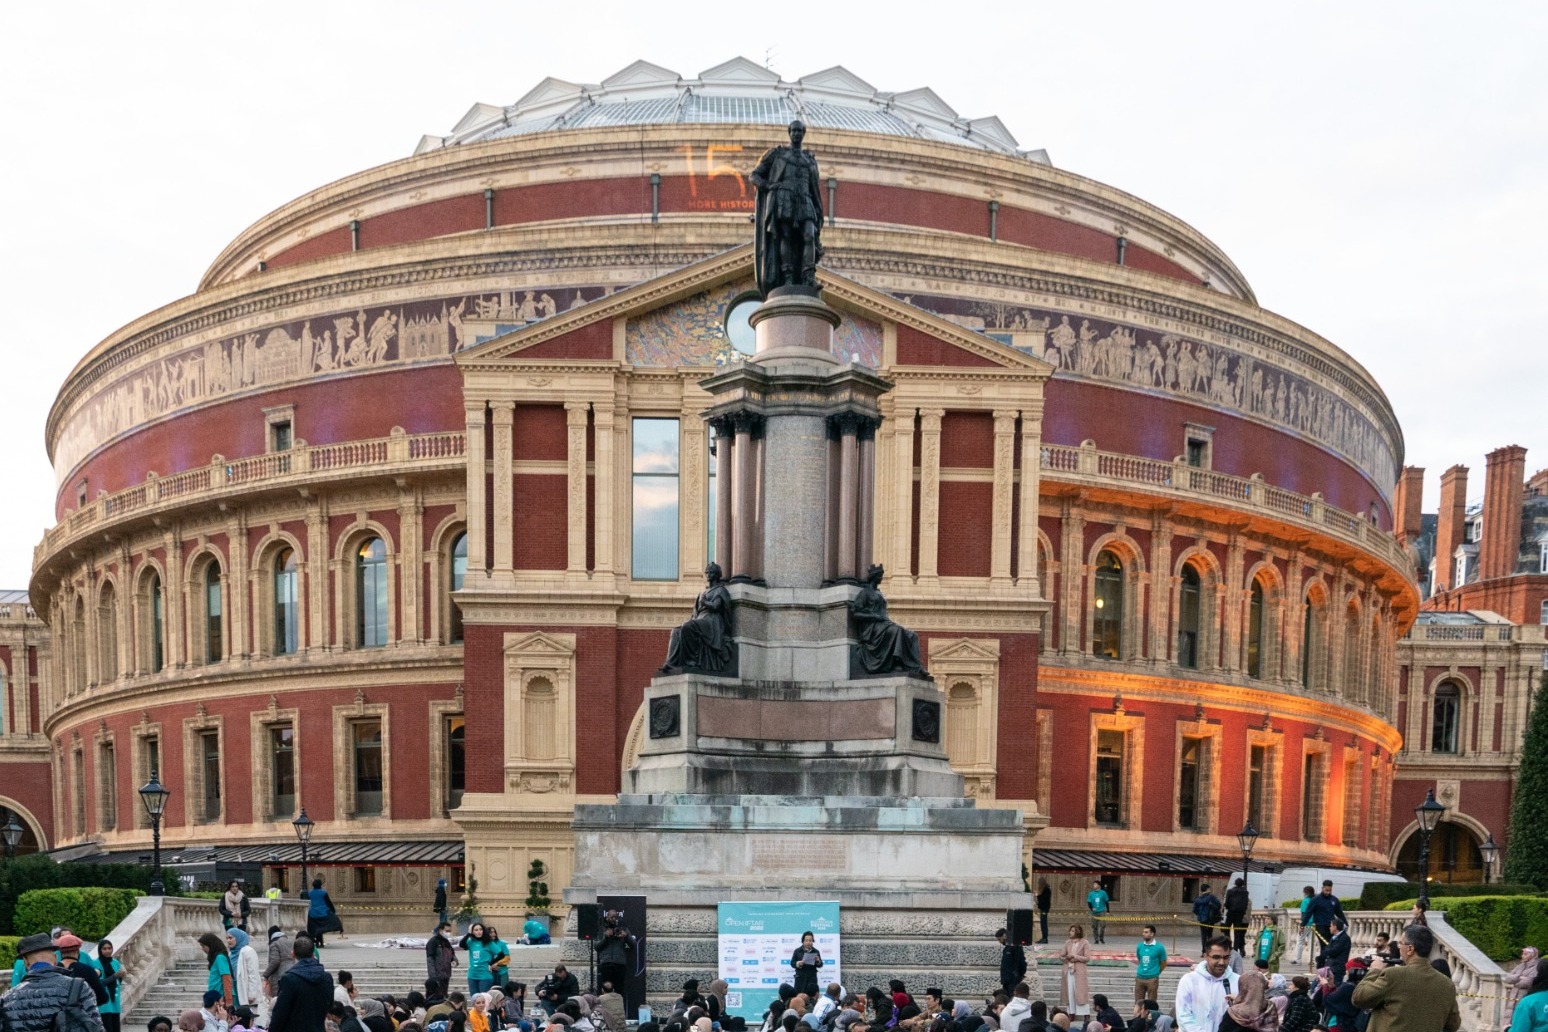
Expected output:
(788, 217)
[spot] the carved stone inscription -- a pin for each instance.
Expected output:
(798, 855)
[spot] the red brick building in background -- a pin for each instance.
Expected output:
(389, 520)
(1469, 668)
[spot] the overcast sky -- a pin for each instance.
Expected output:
(1376, 170)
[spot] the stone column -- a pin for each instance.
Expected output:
(866, 528)
(692, 483)
(929, 491)
(725, 475)
(744, 496)
(478, 548)
(1004, 485)
(576, 413)
(603, 472)
(902, 501)
(1072, 534)
(1232, 599)
(1161, 642)
(1031, 471)
(411, 566)
(316, 567)
(1292, 621)
(504, 536)
(123, 628)
(238, 622)
(832, 525)
(848, 498)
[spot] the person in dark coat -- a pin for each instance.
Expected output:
(1044, 905)
(1335, 955)
(321, 915)
(1013, 961)
(69, 946)
(47, 992)
(1300, 1012)
(440, 901)
(806, 961)
(1238, 907)
(440, 957)
(1322, 909)
(305, 992)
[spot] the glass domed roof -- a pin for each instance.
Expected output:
(736, 92)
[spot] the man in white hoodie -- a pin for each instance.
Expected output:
(1019, 1008)
(1201, 995)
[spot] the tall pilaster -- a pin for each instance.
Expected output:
(930, 492)
(238, 595)
(1004, 488)
(1072, 538)
(1161, 644)
(317, 579)
(478, 536)
(576, 415)
(172, 601)
(902, 501)
(503, 413)
(411, 562)
(1026, 527)
(1234, 600)
(865, 532)
(603, 472)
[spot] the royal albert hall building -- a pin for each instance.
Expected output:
(390, 518)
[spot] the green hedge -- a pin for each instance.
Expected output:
(35, 871)
(1498, 925)
(88, 912)
(1347, 902)
(7, 955)
(1377, 895)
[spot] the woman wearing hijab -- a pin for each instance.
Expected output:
(112, 973)
(218, 961)
(235, 906)
(714, 1000)
(807, 962)
(249, 973)
(321, 916)
(1074, 992)
(372, 1015)
(1522, 976)
(1252, 1011)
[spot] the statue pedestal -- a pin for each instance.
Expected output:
(795, 780)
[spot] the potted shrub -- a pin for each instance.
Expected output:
(537, 894)
(467, 907)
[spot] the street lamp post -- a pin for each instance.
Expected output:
(1490, 853)
(12, 833)
(1428, 814)
(303, 825)
(154, 795)
(1246, 839)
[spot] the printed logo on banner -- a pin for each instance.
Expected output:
(757, 940)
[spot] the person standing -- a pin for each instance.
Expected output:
(1335, 955)
(1013, 961)
(217, 959)
(1074, 991)
(1303, 933)
(479, 944)
(1150, 960)
(1322, 909)
(440, 956)
(234, 906)
(615, 950)
(281, 959)
(321, 915)
(305, 992)
(1531, 1011)
(807, 961)
(440, 902)
(1411, 996)
(69, 946)
(1044, 904)
(1269, 948)
(112, 972)
(1238, 905)
(1097, 901)
(249, 973)
(1206, 912)
(1202, 992)
(47, 999)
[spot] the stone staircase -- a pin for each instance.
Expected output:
(376, 972)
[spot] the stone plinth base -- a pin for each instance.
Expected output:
(879, 737)
(922, 884)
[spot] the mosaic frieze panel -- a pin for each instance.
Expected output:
(692, 332)
(1092, 349)
(289, 352)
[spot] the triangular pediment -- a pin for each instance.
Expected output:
(838, 79)
(992, 128)
(926, 100)
(737, 70)
(964, 649)
(641, 73)
(549, 91)
(719, 277)
(539, 643)
(478, 114)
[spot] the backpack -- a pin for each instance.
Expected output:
(1207, 910)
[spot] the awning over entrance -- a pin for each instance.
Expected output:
(414, 853)
(1163, 864)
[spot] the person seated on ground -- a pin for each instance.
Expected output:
(827, 1003)
(190, 1021)
(1105, 1012)
(373, 1015)
(160, 1023)
(455, 1003)
(344, 1017)
(1016, 1011)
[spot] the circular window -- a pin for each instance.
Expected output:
(738, 329)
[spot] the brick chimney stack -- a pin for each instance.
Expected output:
(1504, 490)
(1448, 525)
(1408, 504)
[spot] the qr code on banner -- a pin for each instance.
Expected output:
(733, 999)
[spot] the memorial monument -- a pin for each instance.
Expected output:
(795, 742)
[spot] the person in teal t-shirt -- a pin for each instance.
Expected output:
(1270, 947)
(18, 971)
(1531, 1014)
(478, 942)
(220, 976)
(535, 933)
(112, 973)
(1096, 902)
(1151, 957)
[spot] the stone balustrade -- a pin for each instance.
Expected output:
(162, 929)
(1087, 465)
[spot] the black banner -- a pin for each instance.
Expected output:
(625, 914)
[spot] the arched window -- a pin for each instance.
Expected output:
(1312, 638)
(158, 657)
(1188, 619)
(539, 706)
(1445, 724)
(287, 614)
(1255, 630)
(107, 635)
(214, 639)
(371, 593)
(962, 725)
(1353, 688)
(459, 573)
(1107, 622)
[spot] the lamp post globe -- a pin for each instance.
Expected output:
(1247, 841)
(1428, 814)
(1490, 852)
(154, 795)
(303, 826)
(12, 833)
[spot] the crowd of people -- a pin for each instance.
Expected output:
(1401, 986)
